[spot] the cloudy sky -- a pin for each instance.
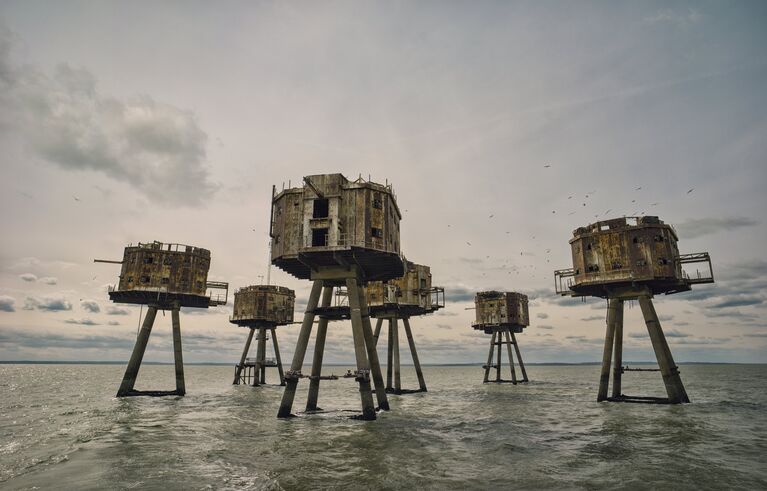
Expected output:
(502, 125)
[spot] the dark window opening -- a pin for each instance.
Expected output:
(641, 262)
(145, 279)
(199, 285)
(423, 283)
(663, 261)
(617, 265)
(577, 271)
(594, 268)
(165, 281)
(276, 239)
(588, 247)
(130, 279)
(319, 237)
(168, 260)
(658, 238)
(377, 202)
(376, 232)
(321, 208)
(148, 260)
(635, 240)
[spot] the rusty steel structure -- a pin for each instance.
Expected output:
(502, 314)
(632, 258)
(399, 299)
(337, 233)
(261, 308)
(165, 277)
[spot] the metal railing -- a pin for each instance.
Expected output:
(563, 280)
(346, 240)
(700, 276)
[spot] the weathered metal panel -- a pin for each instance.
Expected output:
(265, 303)
(413, 289)
(494, 308)
(172, 268)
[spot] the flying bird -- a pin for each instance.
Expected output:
(691, 190)
(654, 204)
(547, 166)
(76, 198)
(637, 189)
(469, 243)
(491, 216)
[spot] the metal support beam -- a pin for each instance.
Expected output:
(319, 349)
(277, 356)
(178, 357)
(604, 377)
(489, 358)
(618, 350)
(291, 379)
(131, 371)
(370, 345)
(498, 357)
(519, 358)
(363, 366)
(511, 357)
(260, 377)
(669, 370)
(377, 333)
(238, 371)
(414, 353)
(389, 353)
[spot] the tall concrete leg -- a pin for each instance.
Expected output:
(238, 370)
(131, 371)
(260, 377)
(604, 377)
(370, 345)
(669, 370)
(416, 363)
(277, 356)
(511, 358)
(379, 323)
(389, 354)
(319, 350)
(291, 378)
(498, 357)
(360, 352)
(618, 350)
(396, 359)
(489, 359)
(519, 357)
(178, 357)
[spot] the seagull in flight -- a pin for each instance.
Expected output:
(691, 190)
(547, 166)
(78, 199)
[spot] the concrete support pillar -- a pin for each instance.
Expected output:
(489, 358)
(277, 356)
(519, 358)
(604, 377)
(669, 370)
(131, 371)
(498, 357)
(389, 352)
(238, 370)
(511, 358)
(178, 357)
(360, 351)
(260, 377)
(291, 378)
(395, 358)
(379, 323)
(319, 350)
(618, 350)
(416, 362)
(370, 345)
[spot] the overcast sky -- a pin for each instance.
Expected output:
(502, 125)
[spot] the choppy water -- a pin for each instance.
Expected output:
(62, 428)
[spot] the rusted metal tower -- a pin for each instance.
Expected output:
(262, 308)
(399, 299)
(502, 314)
(337, 232)
(631, 258)
(167, 277)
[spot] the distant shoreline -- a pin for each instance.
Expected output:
(585, 363)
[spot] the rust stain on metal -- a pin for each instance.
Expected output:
(495, 309)
(413, 292)
(263, 304)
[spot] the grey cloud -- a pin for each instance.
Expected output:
(459, 294)
(698, 227)
(49, 280)
(593, 318)
(117, 311)
(756, 335)
(156, 148)
(113, 323)
(443, 326)
(673, 333)
(26, 339)
(737, 301)
(6, 303)
(47, 304)
(542, 315)
(445, 313)
(28, 277)
(82, 322)
(90, 306)
(544, 326)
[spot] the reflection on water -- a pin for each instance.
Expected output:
(61, 426)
